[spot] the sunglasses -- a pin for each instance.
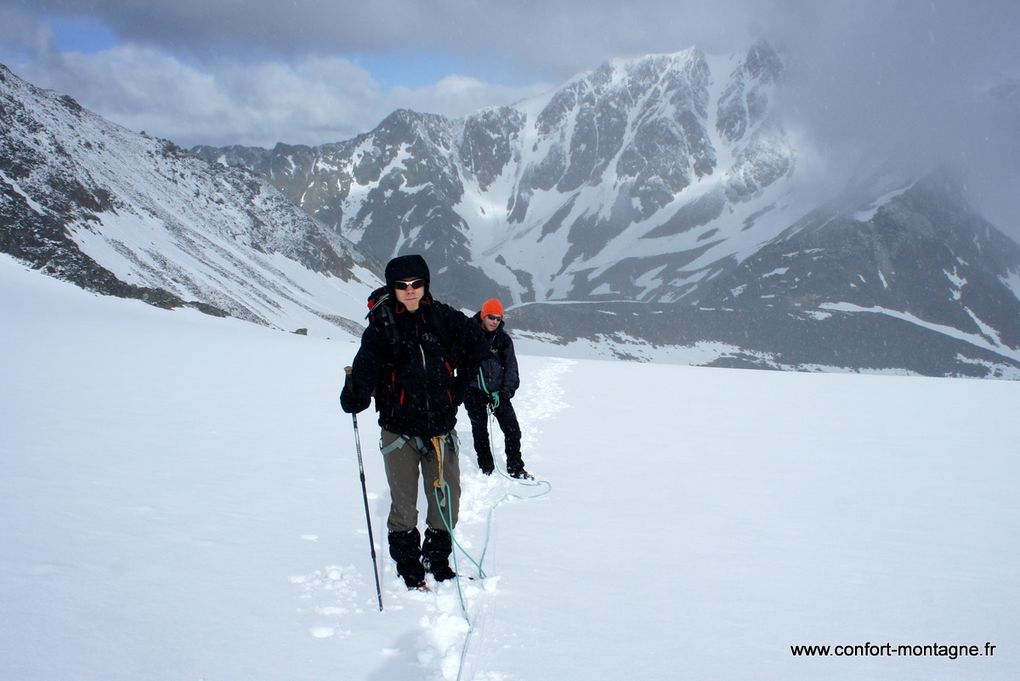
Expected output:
(493, 317)
(404, 285)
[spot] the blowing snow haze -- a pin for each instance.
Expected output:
(912, 85)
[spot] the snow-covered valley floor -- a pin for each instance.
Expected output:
(180, 500)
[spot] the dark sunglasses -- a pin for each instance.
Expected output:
(404, 285)
(493, 317)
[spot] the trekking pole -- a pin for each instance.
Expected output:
(364, 496)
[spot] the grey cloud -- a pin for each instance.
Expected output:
(21, 31)
(907, 85)
(547, 39)
(313, 100)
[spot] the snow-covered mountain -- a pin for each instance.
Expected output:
(125, 214)
(634, 181)
(664, 193)
(651, 208)
(916, 282)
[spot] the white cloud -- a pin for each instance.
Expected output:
(313, 100)
(456, 96)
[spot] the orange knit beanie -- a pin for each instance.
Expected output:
(492, 306)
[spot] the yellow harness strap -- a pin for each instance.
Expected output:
(438, 445)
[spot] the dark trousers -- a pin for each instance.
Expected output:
(475, 401)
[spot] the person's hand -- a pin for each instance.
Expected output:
(505, 395)
(350, 402)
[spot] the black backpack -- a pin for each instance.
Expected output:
(379, 310)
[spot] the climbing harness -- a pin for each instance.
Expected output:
(440, 482)
(419, 444)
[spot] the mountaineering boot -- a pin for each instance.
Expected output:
(486, 464)
(405, 550)
(515, 468)
(435, 553)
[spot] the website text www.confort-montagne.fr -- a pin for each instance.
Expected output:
(868, 649)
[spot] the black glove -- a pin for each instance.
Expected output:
(505, 395)
(350, 402)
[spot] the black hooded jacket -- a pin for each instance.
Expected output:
(418, 379)
(498, 371)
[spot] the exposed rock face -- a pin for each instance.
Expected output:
(123, 214)
(918, 282)
(646, 205)
(581, 194)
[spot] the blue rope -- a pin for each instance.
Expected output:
(447, 519)
(448, 522)
(519, 481)
(493, 396)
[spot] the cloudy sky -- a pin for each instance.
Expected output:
(909, 77)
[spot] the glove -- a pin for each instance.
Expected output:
(505, 395)
(352, 403)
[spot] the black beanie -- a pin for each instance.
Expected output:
(406, 267)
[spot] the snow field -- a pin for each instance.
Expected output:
(181, 500)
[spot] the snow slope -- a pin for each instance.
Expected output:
(83, 197)
(180, 500)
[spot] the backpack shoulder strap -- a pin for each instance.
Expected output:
(379, 309)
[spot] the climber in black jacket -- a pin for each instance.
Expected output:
(498, 380)
(416, 357)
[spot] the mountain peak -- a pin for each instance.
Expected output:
(764, 63)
